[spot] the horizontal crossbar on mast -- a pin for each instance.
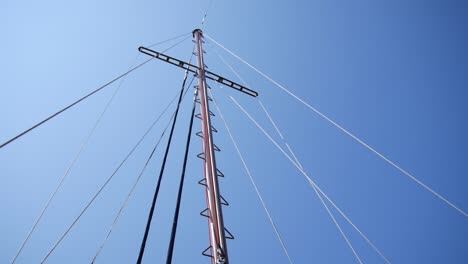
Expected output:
(192, 68)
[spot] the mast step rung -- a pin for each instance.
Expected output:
(216, 147)
(223, 201)
(201, 156)
(229, 233)
(204, 252)
(203, 182)
(199, 133)
(205, 213)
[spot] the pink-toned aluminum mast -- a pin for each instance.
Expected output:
(213, 200)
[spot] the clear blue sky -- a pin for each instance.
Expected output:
(394, 73)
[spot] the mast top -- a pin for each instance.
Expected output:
(197, 30)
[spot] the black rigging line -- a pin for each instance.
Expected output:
(156, 192)
(181, 186)
(135, 184)
(110, 178)
(91, 93)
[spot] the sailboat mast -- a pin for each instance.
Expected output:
(214, 214)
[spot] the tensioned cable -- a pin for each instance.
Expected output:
(72, 104)
(130, 194)
(167, 40)
(181, 185)
(292, 153)
(105, 184)
(260, 197)
(343, 130)
(78, 101)
(124, 204)
(156, 191)
(243, 161)
(82, 147)
(309, 179)
(297, 161)
(313, 187)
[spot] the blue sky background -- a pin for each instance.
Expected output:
(394, 73)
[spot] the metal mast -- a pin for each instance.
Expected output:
(214, 211)
(214, 200)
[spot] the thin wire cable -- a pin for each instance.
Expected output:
(294, 156)
(137, 180)
(282, 138)
(344, 130)
(81, 149)
(315, 189)
(67, 171)
(130, 193)
(72, 104)
(336, 224)
(297, 162)
(270, 218)
(103, 186)
(167, 40)
(175, 220)
(79, 100)
(156, 192)
(309, 179)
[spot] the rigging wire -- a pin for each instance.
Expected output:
(294, 156)
(260, 197)
(304, 173)
(82, 147)
(124, 204)
(313, 187)
(167, 40)
(131, 191)
(297, 161)
(72, 104)
(181, 185)
(156, 191)
(343, 130)
(104, 185)
(83, 98)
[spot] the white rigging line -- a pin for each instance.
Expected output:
(252, 181)
(310, 180)
(343, 130)
(315, 189)
(299, 164)
(71, 165)
(294, 156)
(90, 202)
